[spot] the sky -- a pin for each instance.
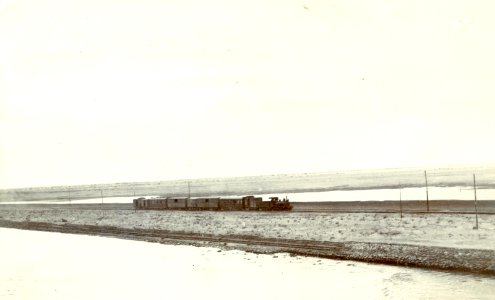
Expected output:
(116, 91)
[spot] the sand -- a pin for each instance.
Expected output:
(405, 238)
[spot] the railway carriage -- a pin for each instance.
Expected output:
(212, 203)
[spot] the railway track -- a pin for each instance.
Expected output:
(440, 258)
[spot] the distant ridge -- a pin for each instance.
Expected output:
(390, 178)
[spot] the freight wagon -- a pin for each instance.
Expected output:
(212, 203)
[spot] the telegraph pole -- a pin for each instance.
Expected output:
(69, 195)
(400, 201)
(427, 200)
(475, 201)
(189, 190)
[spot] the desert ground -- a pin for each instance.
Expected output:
(49, 265)
(420, 239)
(416, 206)
(434, 229)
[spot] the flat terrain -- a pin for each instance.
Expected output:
(437, 240)
(437, 206)
(434, 229)
(47, 265)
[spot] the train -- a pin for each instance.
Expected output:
(213, 203)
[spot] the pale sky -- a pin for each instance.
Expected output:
(113, 91)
